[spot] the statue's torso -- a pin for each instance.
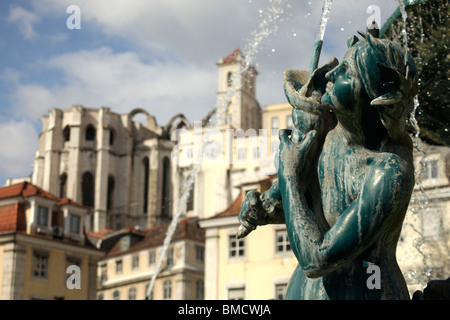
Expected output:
(342, 170)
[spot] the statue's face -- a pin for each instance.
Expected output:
(340, 90)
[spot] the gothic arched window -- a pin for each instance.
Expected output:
(146, 172)
(90, 133)
(63, 185)
(66, 133)
(110, 194)
(166, 186)
(88, 189)
(111, 137)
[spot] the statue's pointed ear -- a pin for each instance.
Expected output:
(392, 96)
(387, 99)
(352, 41)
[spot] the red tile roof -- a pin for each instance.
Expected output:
(67, 201)
(101, 234)
(234, 56)
(186, 229)
(12, 218)
(233, 209)
(25, 189)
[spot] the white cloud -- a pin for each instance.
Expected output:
(168, 65)
(121, 81)
(25, 20)
(18, 144)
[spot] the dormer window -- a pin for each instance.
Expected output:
(42, 216)
(431, 169)
(75, 224)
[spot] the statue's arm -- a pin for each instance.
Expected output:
(386, 191)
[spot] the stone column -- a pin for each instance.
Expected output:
(102, 170)
(74, 174)
(13, 272)
(53, 144)
(211, 263)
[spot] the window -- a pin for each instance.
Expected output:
(103, 273)
(275, 123)
(431, 169)
(289, 122)
(241, 154)
(236, 247)
(229, 79)
(118, 266)
(116, 295)
(199, 290)
(66, 133)
(40, 264)
(167, 289)
(63, 186)
(151, 258)
(199, 254)
(166, 187)
(88, 189)
(75, 222)
(111, 137)
(146, 172)
(42, 216)
(132, 293)
(110, 193)
(169, 257)
(236, 294)
(280, 289)
(212, 150)
(282, 243)
(90, 133)
(135, 262)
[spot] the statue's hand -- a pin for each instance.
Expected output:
(293, 155)
(260, 209)
(305, 93)
(252, 214)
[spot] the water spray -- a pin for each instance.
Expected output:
(270, 17)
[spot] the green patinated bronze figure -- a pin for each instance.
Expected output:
(345, 173)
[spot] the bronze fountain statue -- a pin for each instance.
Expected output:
(345, 173)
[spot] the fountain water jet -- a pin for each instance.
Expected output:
(270, 17)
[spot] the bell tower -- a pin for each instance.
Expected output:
(236, 94)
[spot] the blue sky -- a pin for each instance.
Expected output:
(156, 55)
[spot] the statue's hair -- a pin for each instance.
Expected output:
(394, 79)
